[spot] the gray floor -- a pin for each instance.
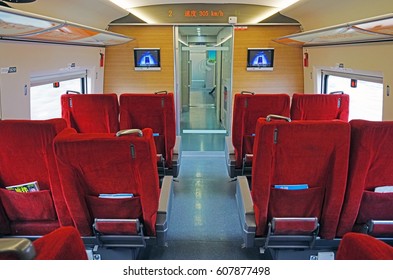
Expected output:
(204, 223)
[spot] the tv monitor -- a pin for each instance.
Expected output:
(147, 59)
(260, 59)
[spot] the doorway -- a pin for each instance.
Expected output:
(204, 78)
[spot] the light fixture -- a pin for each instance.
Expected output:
(136, 8)
(3, 4)
(19, 1)
(281, 5)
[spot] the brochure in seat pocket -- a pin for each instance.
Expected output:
(384, 189)
(116, 195)
(292, 187)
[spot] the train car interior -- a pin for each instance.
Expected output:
(196, 130)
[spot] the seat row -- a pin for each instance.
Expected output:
(65, 244)
(248, 107)
(314, 181)
(108, 113)
(104, 185)
(107, 187)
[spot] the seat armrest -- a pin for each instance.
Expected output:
(229, 148)
(246, 211)
(230, 158)
(165, 194)
(164, 209)
(177, 148)
(17, 248)
(176, 157)
(245, 193)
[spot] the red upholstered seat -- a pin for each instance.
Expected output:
(91, 112)
(320, 106)
(300, 152)
(358, 246)
(94, 164)
(26, 155)
(63, 243)
(247, 109)
(369, 167)
(155, 111)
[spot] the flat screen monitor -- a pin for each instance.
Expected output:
(260, 59)
(147, 59)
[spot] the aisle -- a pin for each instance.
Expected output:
(204, 223)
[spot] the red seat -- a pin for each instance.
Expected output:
(94, 164)
(365, 209)
(91, 112)
(155, 111)
(63, 243)
(358, 246)
(320, 106)
(314, 153)
(27, 155)
(247, 109)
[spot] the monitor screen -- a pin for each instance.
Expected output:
(260, 59)
(147, 59)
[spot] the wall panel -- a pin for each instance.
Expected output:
(120, 75)
(287, 76)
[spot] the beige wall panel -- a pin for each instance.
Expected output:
(120, 75)
(287, 76)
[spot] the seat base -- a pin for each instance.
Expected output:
(112, 253)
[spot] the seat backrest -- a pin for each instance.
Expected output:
(90, 113)
(320, 106)
(26, 149)
(155, 111)
(358, 246)
(101, 163)
(64, 243)
(247, 109)
(300, 152)
(369, 167)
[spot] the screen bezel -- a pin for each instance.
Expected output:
(138, 67)
(251, 67)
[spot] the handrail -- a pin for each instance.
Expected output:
(161, 92)
(247, 92)
(129, 131)
(72, 91)
(272, 116)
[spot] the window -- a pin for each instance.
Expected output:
(45, 92)
(365, 93)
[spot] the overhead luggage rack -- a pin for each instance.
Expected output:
(369, 30)
(22, 26)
